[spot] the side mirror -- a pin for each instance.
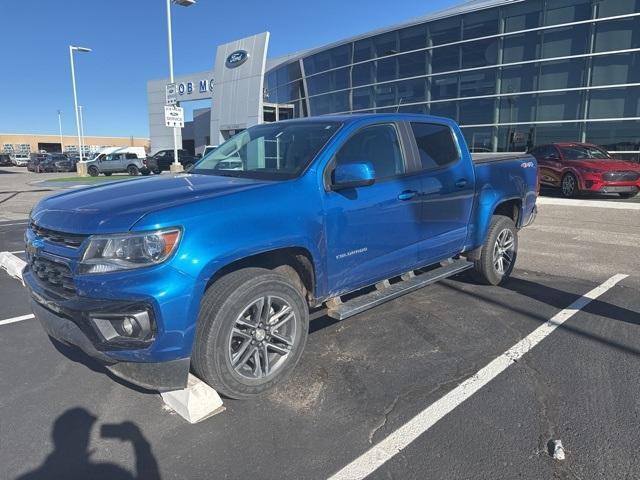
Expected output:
(353, 175)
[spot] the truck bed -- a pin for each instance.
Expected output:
(479, 158)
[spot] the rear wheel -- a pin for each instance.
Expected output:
(628, 194)
(93, 171)
(498, 254)
(569, 185)
(252, 329)
(132, 170)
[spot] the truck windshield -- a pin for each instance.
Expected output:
(584, 152)
(277, 151)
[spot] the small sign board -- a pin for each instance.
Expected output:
(173, 116)
(172, 94)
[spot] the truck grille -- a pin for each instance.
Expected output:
(54, 276)
(621, 176)
(62, 238)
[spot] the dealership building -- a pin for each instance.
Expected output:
(513, 73)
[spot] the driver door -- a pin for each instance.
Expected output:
(372, 231)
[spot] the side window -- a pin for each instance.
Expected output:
(130, 156)
(551, 153)
(436, 145)
(378, 145)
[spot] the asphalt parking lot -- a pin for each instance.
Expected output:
(362, 379)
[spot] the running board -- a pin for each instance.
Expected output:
(340, 310)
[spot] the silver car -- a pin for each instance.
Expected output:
(116, 162)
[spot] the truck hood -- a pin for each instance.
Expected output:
(608, 165)
(116, 207)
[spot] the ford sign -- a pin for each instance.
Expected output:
(237, 58)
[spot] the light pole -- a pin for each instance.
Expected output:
(72, 48)
(81, 129)
(60, 130)
(177, 166)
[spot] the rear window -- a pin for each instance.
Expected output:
(436, 145)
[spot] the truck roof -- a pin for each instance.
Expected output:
(350, 118)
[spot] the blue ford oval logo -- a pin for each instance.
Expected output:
(237, 58)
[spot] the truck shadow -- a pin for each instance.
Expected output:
(71, 456)
(556, 298)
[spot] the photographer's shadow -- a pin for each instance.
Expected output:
(71, 457)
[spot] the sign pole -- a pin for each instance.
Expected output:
(176, 166)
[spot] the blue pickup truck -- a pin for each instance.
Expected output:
(215, 270)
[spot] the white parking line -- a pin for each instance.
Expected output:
(13, 224)
(17, 251)
(16, 319)
(384, 451)
(567, 202)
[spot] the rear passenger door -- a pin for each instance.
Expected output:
(129, 159)
(549, 164)
(372, 230)
(447, 191)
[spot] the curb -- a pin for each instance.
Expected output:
(12, 264)
(588, 203)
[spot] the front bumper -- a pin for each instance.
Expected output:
(67, 322)
(596, 184)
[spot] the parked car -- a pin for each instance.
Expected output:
(5, 160)
(208, 149)
(63, 163)
(161, 160)
(50, 162)
(20, 159)
(581, 167)
(216, 270)
(118, 160)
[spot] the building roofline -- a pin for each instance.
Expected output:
(466, 7)
(126, 137)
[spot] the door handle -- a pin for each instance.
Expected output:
(407, 195)
(461, 183)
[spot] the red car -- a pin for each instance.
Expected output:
(582, 167)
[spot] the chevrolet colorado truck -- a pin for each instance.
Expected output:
(215, 270)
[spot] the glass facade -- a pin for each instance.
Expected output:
(512, 74)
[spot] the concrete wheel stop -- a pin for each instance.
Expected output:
(12, 264)
(195, 403)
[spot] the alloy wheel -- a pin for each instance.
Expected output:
(568, 185)
(504, 251)
(262, 338)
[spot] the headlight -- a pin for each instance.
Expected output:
(109, 253)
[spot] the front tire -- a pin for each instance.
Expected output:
(93, 171)
(569, 186)
(252, 329)
(498, 253)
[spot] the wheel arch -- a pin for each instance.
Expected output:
(294, 262)
(511, 208)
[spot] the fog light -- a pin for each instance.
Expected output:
(128, 326)
(123, 327)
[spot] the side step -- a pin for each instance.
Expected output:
(340, 310)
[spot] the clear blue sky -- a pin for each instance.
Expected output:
(129, 44)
